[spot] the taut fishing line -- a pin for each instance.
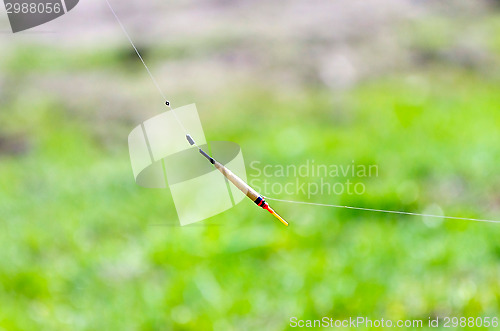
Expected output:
(155, 82)
(244, 187)
(384, 211)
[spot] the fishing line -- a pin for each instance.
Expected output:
(155, 82)
(384, 211)
(257, 198)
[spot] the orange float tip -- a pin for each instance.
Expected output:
(280, 218)
(277, 216)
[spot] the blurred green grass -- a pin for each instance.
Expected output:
(83, 247)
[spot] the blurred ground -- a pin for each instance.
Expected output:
(411, 86)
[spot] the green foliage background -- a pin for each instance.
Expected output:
(83, 248)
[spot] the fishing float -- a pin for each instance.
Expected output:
(252, 194)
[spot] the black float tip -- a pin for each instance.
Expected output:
(190, 140)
